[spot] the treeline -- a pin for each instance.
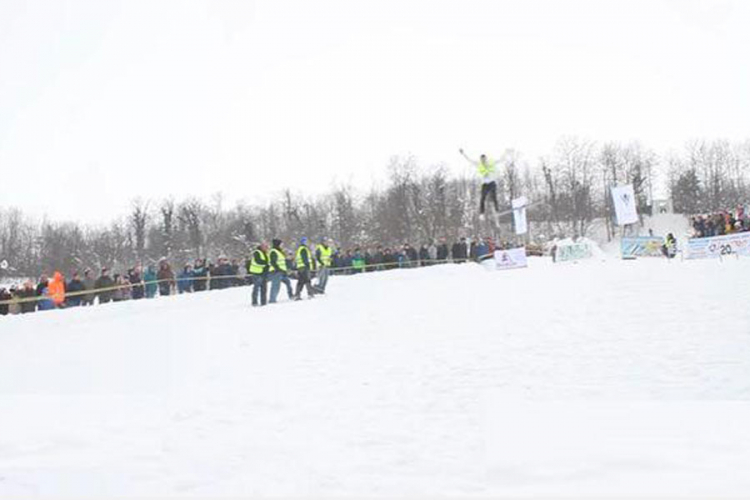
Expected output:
(418, 204)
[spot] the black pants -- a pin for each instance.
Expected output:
(490, 190)
(259, 289)
(303, 281)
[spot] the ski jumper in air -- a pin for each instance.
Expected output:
(486, 170)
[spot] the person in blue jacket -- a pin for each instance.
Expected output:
(45, 303)
(149, 277)
(185, 279)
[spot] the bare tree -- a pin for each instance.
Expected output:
(139, 217)
(167, 210)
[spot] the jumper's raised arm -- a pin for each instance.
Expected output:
(472, 161)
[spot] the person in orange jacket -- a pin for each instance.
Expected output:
(56, 289)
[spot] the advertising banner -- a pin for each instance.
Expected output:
(641, 246)
(519, 215)
(624, 201)
(514, 258)
(573, 251)
(718, 246)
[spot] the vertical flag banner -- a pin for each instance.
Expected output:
(624, 200)
(519, 215)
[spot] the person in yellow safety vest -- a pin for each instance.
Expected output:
(258, 270)
(486, 169)
(304, 261)
(278, 271)
(324, 259)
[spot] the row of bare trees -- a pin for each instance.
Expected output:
(417, 205)
(710, 176)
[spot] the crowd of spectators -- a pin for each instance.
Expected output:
(720, 223)
(88, 288)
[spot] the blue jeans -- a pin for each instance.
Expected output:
(322, 278)
(259, 289)
(277, 278)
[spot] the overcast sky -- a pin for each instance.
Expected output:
(104, 101)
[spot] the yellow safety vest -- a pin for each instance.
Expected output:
(280, 258)
(299, 260)
(326, 255)
(258, 266)
(486, 169)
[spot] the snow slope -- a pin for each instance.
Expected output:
(619, 378)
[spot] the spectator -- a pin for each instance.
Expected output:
(200, 275)
(103, 285)
(165, 276)
(122, 292)
(56, 289)
(483, 250)
(75, 290)
(185, 279)
(89, 283)
(358, 261)
(234, 270)
(432, 251)
(135, 278)
(45, 303)
(458, 252)
(42, 284)
(442, 251)
(224, 272)
(5, 296)
(424, 256)
(378, 258)
(149, 278)
(26, 295)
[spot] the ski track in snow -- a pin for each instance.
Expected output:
(599, 378)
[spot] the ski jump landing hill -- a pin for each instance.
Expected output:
(627, 378)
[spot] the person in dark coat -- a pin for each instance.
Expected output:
(42, 285)
(377, 258)
(104, 281)
(411, 255)
(89, 282)
(442, 251)
(200, 275)
(234, 269)
(135, 276)
(424, 256)
(26, 293)
(165, 276)
(215, 282)
(458, 252)
(389, 259)
(73, 291)
(4, 296)
(224, 271)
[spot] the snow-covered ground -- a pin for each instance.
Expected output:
(617, 378)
